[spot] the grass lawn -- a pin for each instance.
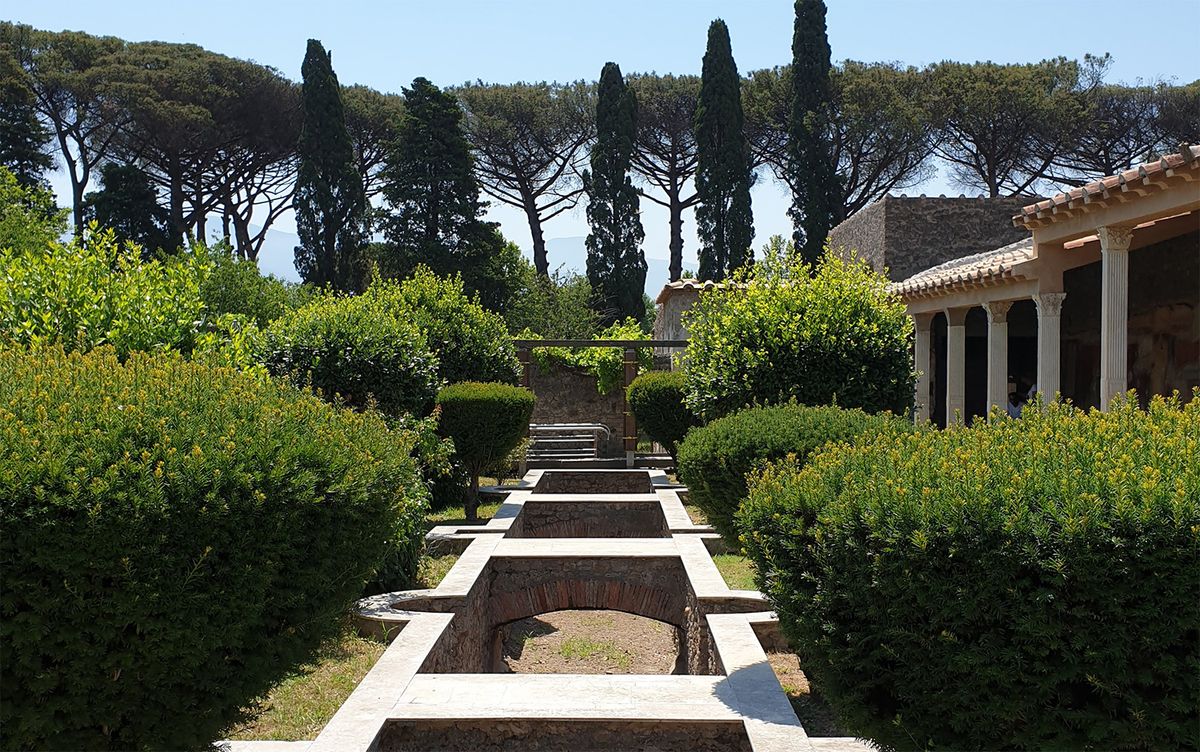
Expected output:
(299, 706)
(737, 571)
(457, 516)
(432, 569)
(697, 516)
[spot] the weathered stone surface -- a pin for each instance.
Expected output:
(593, 482)
(568, 395)
(543, 735)
(906, 235)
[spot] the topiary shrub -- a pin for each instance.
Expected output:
(1022, 584)
(471, 342)
(656, 399)
(834, 337)
(485, 421)
(362, 349)
(175, 539)
(714, 459)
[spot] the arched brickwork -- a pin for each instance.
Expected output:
(574, 594)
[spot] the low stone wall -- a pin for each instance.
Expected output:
(590, 519)
(568, 395)
(593, 482)
(577, 735)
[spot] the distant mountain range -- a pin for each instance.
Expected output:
(278, 258)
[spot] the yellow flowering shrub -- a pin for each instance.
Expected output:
(175, 538)
(1021, 584)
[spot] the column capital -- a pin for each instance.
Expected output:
(1115, 237)
(956, 316)
(1049, 303)
(997, 310)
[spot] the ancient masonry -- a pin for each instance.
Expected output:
(570, 539)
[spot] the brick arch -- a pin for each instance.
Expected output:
(576, 594)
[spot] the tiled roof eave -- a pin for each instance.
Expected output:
(936, 288)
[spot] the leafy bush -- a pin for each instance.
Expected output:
(656, 399)
(99, 292)
(714, 460)
(362, 350)
(29, 220)
(1022, 584)
(834, 337)
(235, 286)
(471, 342)
(607, 364)
(552, 307)
(485, 422)
(175, 539)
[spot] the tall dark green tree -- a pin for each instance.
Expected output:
(24, 140)
(331, 207)
(724, 219)
(128, 204)
(436, 214)
(816, 197)
(616, 266)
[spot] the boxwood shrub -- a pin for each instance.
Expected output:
(471, 342)
(363, 350)
(714, 459)
(175, 538)
(1022, 584)
(656, 399)
(485, 421)
(834, 337)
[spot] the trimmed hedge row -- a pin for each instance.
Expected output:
(175, 538)
(1022, 584)
(485, 421)
(656, 400)
(713, 460)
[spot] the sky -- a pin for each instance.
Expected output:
(386, 44)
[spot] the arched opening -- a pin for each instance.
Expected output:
(588, 641)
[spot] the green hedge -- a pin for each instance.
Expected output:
(471, 342)
(363, 349)
(175, 539)
(1022, 584)
(836, 337)
(485, 421)
(714, 459)
(236, 286)
(656, 399)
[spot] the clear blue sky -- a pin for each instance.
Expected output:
(386, 44)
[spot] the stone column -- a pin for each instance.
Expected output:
(1049, 313)
(997, 358)
(956, 364)
(1114, 310)
(631, 434)
(922, 336)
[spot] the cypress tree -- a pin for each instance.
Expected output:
(724, 219)
(436, 216)
(331, 207)
(816, 202)
(616, 266)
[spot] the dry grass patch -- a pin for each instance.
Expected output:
(812, 710)
(299, 706)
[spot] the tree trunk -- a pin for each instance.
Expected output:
(540, 262)
(471, 507)
(676, 267)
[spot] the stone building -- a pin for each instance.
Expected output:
(1102, 294)
(902, 235)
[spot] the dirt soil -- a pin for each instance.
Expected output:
(816, 716)
(590, 642)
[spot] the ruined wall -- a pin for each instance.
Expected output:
(590, 519)
(907, 235)
(568, 395)
(547, 735)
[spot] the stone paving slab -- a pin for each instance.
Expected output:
(562, 696)
(264, 746)
(585, 547)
